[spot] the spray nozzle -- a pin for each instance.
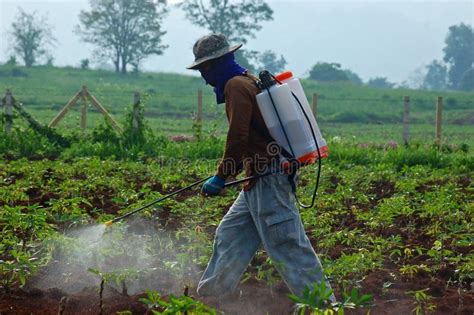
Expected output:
(266, 79)
(108, 223)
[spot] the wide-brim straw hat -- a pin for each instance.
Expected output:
(210, 47)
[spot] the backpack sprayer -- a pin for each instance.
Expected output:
(288, 117)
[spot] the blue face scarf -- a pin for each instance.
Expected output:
(221, 71)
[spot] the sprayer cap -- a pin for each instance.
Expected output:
(284, 76)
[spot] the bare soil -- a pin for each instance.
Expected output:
(251, 297)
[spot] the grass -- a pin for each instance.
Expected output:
(371, 115)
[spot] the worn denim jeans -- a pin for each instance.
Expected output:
(266, 215)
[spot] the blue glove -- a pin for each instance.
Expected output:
(213, 186)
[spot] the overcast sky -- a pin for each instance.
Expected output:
(372, 38)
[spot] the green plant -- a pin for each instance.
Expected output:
(268, 273)
(118, 276)
(21, 227)
(353, 299)
(16, 269)
(175, 305)
(103, 279)
(422, 302)
(318, 300)
(152, 299)
(409, 270)
(438, 253)
(197, 127)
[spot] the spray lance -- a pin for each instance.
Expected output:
(109, 223)
(120, 218)
(288, 117)
(126, 215)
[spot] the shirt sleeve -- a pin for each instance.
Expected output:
(239, 107)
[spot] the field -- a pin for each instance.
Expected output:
(371, 115)
(390, 220)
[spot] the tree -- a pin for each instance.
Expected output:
(415, 79)
(238, 21)
(247, 59)
(380, 83)
(32, 36)
(84, 64)
(353, 77)
(124, 31)
(458, 52)
(269, 61)
(467, 80)
(11, 61)
(436, 76)
(324, 71)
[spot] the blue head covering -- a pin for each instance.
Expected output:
(222, 70)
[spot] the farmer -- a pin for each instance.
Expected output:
(265, 211)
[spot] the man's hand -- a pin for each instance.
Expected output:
(213, 186)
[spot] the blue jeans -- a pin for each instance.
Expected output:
(266, 215)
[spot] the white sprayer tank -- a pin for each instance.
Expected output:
(292, 118)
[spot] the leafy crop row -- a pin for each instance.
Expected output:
(405, 210)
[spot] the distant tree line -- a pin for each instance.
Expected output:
(325, 71)
(125, 32)
(456, 71)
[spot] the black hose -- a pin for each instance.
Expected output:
(315, 141)
(313, 199)
(319, 158)
(281, 123)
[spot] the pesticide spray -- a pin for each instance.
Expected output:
(131, 257)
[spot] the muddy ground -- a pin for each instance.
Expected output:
(252, 297)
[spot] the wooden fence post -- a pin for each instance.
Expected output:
(406, 120)
(104, 112)
(65, 109)
(8, 110)
(315, 105)
(199, 107)
(85, 98)
(439, 116)
(84, 104)
(136, 110)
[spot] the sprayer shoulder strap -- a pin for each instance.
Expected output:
(254, 79)
(283, 151)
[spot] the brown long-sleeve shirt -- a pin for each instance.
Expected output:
(248, 139)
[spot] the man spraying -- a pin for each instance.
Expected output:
(265, 211)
